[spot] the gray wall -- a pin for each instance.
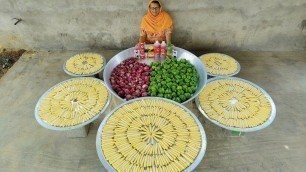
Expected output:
(261, 25)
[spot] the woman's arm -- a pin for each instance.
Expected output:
(168, 33)
(143, 35)
(168, 37)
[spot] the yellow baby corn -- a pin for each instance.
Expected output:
(235, 103)
(147, 135)
(73, 102)
(219, 64)
(84, 64)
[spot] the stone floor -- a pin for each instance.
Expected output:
(27, 146)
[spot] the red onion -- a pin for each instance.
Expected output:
(144, 94)
(121, 93)
(122, 84)
(130, 79)
(146, 68)
(147, 78)
(127, 91)
(128, 97)
(115, 86)
(145, 86)
(143, 90)
(132, 90)
(138, 87)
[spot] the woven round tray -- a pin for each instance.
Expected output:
(149, 134)
(236, 104)
(220, 64)
(86, 64)
(72, 103)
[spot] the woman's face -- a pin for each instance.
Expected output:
(155, 9)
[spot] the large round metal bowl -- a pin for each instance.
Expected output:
(259, 127)
(211, 75)
(48, 126)
(181, 54)
(109, 167)
(85, 75)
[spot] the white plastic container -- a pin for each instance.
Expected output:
(156, 51)
(163, 50)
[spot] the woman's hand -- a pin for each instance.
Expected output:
(168, 37)
(142, 38)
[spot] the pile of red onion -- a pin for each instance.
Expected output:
(131, 79)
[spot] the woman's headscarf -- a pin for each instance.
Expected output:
(156, 23)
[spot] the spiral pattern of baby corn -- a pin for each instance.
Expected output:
(235, 103)
(219, 64)
(84, 64)
(73, 102)
(150, 135)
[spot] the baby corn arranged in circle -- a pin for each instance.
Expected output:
(73, 102)
(150, 135)
(84, 64)
(235, 103)
(219, 64)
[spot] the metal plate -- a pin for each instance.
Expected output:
(85, 75)
(262, 126)
(213, 75)
(181, 54)
(48, 126)
(103, 123)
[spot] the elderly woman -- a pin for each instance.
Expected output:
(156, 24)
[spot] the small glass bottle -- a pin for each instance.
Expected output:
(169, 50)
(156, 51)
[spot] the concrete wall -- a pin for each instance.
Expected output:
(261, 25)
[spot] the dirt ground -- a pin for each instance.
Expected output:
(8, 58)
